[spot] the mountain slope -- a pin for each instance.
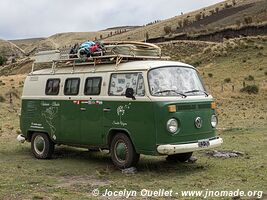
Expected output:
(8, 49)
(216, 16)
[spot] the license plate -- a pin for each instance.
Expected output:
(203, 143)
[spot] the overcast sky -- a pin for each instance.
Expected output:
(42, 18)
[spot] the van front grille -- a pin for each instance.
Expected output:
(193, 107)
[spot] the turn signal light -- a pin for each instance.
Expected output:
(213, 105)
(172, 108)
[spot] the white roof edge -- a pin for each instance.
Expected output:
(128, 66)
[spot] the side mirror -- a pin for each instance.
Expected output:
(130, 93)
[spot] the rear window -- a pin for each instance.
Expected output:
(52, 87)
(72, 86)
(92, 86)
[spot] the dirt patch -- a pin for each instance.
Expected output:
(72, 181)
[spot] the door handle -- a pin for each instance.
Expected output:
(83, 109)
(106, 109)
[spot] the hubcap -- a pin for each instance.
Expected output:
(39, 144)
(120, 151)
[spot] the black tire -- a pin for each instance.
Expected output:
(181, 157)
(41, 145)
(123, 142)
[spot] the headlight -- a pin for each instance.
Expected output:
(214, 121)
(172, 125)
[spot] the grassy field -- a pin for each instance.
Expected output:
(74, 173)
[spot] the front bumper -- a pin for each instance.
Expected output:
(169, 149)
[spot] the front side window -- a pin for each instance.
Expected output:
(72, 86)
(120, 82)
(174, 81)
(92, 86)
(52, 87)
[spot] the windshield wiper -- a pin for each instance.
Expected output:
(179, 93)
(192, 91)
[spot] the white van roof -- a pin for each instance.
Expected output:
(127, 66)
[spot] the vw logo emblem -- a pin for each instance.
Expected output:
(198, 122)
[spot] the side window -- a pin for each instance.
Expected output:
(92, 86)
(120, 82)
(52, 87)
(71, 86)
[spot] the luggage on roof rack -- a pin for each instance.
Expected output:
(112, 52)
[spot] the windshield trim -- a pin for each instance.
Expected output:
(181, 66)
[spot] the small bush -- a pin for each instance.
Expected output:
(265, 73)
(197, 63)
(167, 29)
(249, 78)
(198, 17)
(2, 99)
(2, 60)
(250, 89)
(227, 80)
(248, 20)
(210, 75)
(234, 2)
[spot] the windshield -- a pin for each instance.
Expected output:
(175, 81)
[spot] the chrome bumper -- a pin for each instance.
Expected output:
(169, 149)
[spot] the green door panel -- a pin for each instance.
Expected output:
(91, 115)
(70, 117)
(134, 116)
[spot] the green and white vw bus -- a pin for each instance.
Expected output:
(142, 106)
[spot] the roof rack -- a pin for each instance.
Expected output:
(113, 53)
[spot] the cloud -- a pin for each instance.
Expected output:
(37, 18)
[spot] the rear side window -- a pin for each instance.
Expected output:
(92, 86)
(52, 87)
(72, 86)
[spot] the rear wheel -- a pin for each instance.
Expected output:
(181, 157)
(41, 145)
(123, 153)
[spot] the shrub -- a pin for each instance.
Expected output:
(234, 2)
(227, 80)
(167, 29)
(248, 20)
(2, 60)
(210, 75)
(249, 78)
(186, 22)
(180, 23)
(250, 89)
(198, 17)
(265, 73)
(2, 99)
(196, 63)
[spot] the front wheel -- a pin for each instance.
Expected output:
(41, 145)
(123, 153)
(181, 157)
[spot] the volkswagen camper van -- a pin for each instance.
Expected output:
(129, 105)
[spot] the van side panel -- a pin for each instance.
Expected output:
(40, 116)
